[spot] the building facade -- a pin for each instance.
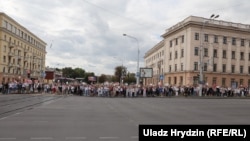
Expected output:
(22, 54)
(224, 48)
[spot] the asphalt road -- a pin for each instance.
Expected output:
(75, 118)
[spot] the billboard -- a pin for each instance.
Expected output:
(92, 78)
(146, 72)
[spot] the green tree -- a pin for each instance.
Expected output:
(120, 71)
(102, 78)
(68, 72)
(79, 73)
(130, 78)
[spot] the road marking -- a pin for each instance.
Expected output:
(16, 114)
(134, 137)
(41, 138)
(76, 138)
(3, 118)
(7, 138)
(41, 121)
(108, 138)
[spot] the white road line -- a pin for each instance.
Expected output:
(134, 137)
(76, 138)
(16, 114)
(108, 138)
(3, 118)
(41, 121)
(7, 138)
(41, 138)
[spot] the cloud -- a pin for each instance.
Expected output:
(89, 34)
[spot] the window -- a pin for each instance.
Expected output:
(215, 39)
(181, 66)
(224, 68)
(4, 58)
(214, 80)
(182, 38)
(242, 42)
(4, 49)
(205, 52)
(170, 56)
(175, 80)
(196, 51)
(206, 37)
(181, 80)
(224, 54)
(241, 69)
(170, 43)
(223, 81)
(241, 55)
(196, 36)
(233, 41)
(232, 68)
(195, 66)
(9, 26)
(5, 24)
(215, 53)
(176, 55)
(176, 41)
(175, 67)
(241, 81)
(169, 68)
(205, 67)
(233, 54)
(224, 40)
(215, 67)
(182, 53)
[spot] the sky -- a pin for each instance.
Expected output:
(88, 34)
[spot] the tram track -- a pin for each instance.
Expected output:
(15, 100)
(22, 105)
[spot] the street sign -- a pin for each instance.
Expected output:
(138, 74)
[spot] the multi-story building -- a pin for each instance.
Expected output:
(22, 53)
(222, 47)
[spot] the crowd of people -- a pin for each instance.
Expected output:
(116, 90)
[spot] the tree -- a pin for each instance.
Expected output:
(130, 78)
(68, 72)
(79, 73)
(73, 73)
(119, 72)
(102, 78)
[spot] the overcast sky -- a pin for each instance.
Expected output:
(89, 33)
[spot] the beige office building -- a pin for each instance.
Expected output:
(22, 53)
(224, 47)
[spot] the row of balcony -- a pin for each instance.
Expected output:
(12, 45)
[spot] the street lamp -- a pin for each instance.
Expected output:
(212, 17)
(138, 52)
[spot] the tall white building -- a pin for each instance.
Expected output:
(225, 57)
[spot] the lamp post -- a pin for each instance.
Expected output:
(138, 52)
(212, 17)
